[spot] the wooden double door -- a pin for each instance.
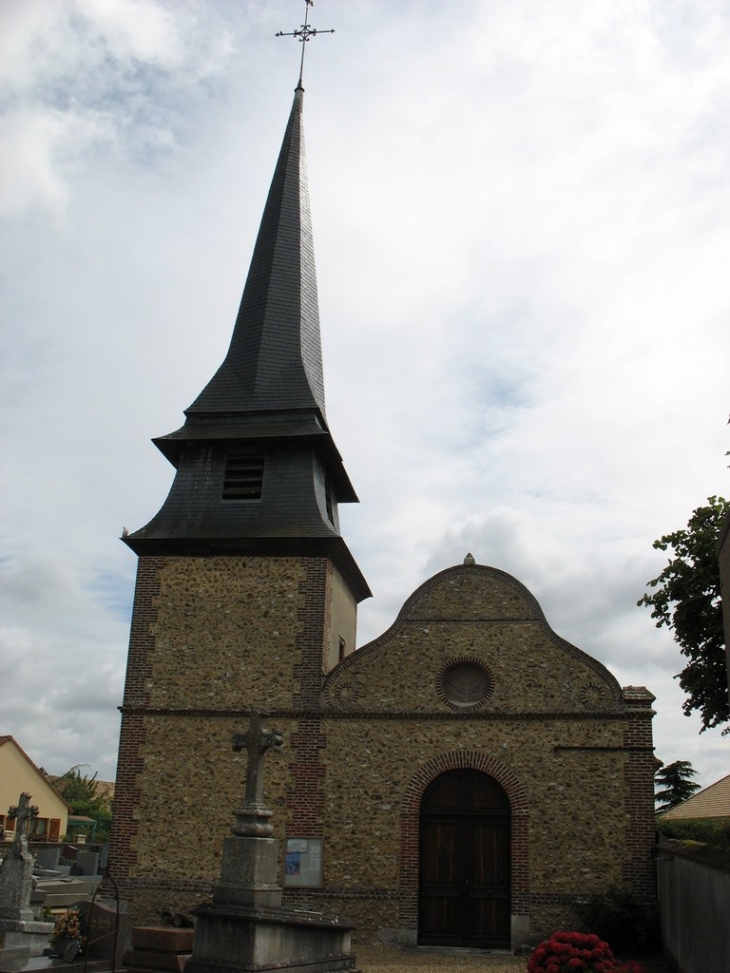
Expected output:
(464, 875)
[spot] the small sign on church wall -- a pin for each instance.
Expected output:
(303, 862)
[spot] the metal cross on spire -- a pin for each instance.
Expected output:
(304, 33)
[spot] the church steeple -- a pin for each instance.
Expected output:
(274, 363)
(257, 469)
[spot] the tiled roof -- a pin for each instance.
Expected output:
(712, 802)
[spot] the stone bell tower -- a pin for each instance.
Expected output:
(246, 591)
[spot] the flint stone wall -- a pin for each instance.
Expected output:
(218, 637)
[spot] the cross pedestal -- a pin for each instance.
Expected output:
(19, 929)
(246, 929)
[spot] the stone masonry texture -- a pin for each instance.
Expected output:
(214, 639)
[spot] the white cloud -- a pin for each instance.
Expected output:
(135, 29)
(83, 72)
(63, 662)
(27, 171)
(521, 231)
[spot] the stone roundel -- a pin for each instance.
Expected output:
(464, 684)
(345, 693)
(593, 695)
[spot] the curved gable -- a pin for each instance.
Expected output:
(471, 592)
(466, 620)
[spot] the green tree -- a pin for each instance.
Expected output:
(676, 783)
(686, 598)
(85, 798)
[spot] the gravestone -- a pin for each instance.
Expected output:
(246, 928)
(48, 858)
(106, 929)
(18, 927)
(87, 863)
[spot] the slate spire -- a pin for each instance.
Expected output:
(257, 469)
(275, 358)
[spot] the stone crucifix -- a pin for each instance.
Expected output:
(22, 813)
(252, 818)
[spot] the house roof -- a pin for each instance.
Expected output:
(104, 788)
(712, 802)
(41, 773)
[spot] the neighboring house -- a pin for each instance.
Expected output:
(105, 789)
(18, 775)
(712, 802)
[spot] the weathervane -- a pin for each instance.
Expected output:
(304, 33)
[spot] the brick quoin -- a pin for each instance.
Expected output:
(141, 639)
(639, 872)
(409, 821)
(305, 795)
(125, 825)
(313, 639)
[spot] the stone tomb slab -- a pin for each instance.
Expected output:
(13, 958)
(163, 948)
(237, 939)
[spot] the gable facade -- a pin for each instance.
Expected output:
(19, 775)
(571, 751)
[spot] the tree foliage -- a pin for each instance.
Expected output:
(708, 831)
(686, 598)
(84, 796)
(618, 917)
(676, 783)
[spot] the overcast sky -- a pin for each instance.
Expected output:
(521, 218)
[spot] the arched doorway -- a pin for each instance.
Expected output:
(464, 862)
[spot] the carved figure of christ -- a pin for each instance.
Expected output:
(256, 742)
(23, 813)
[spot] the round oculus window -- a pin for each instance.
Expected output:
(466, 685)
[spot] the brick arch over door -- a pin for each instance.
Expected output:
(410, 808)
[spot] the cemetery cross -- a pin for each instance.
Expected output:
(252, 817)
(23, 813)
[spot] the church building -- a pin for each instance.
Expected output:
(463, 780)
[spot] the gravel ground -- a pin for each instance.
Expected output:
(390, 959)
(385, 959)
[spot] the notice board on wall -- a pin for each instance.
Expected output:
(303, 862)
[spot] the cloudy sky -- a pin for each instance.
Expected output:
(521, 215)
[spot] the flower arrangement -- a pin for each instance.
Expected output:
(577, 952)
(68, 926)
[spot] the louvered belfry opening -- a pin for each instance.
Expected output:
(328, 499)
(244, 475)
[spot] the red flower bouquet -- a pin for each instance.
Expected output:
(576, 952)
